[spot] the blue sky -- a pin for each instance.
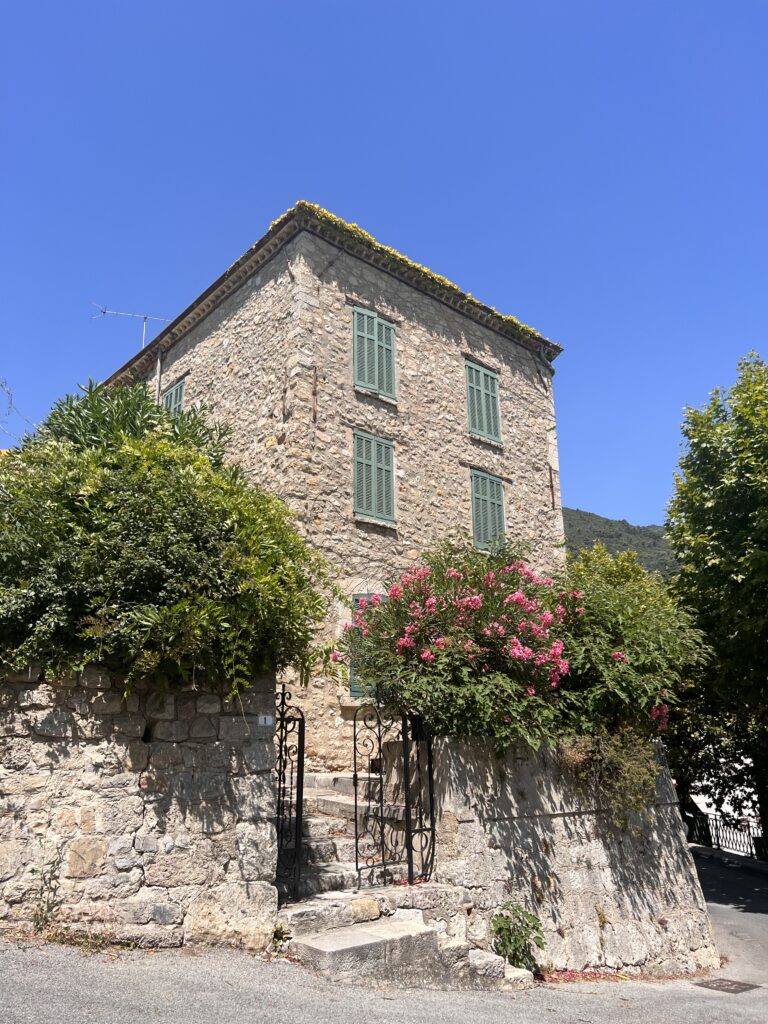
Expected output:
(598, 169)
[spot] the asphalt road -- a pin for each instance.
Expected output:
(48, 984)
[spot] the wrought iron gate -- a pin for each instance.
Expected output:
(394, 796)
(289, 768)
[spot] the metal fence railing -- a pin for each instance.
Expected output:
(739, 835)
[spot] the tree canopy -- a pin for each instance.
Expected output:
(718, 529)
(126, 542)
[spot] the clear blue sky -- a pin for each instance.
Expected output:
(599, 169)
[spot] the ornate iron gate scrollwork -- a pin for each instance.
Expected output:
(289, 768)
(394, 796)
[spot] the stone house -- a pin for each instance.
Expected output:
(386, 407)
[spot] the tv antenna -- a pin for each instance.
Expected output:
(103, 311)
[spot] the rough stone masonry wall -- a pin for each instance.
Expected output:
(275, 361)
(152, 819)
(513, 829)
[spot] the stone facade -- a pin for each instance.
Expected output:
(514, 829)
(149, 820)
(274, 358)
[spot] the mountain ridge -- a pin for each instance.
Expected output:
(583, 529)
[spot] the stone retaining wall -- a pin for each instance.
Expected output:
(148, 819)
(513, 829)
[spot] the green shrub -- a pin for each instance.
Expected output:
(515, 932)
(125, 542)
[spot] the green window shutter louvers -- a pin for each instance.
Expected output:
(374, 353)
(373, 477)
(483, 402)
(487, 509)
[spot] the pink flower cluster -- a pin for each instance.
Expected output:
(660, 715)
(486, 619)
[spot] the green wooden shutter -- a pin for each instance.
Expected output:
(385, 358)
(491, 396)
(365, 346)
(474, 399)
(355, 689)
(364, 475)
(385, 504)
(483, 402)
(373, 477)
(487, 509)
(496, 509)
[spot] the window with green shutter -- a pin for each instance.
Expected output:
(483, 402)
(373, 476)
(374, 353)
(173, 399)
(487, 509)
(356, 688)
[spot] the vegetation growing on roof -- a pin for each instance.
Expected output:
(401, 263)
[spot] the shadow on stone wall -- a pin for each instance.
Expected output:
(148, 818)
(513, 829)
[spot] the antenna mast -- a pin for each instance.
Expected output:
(103, 311)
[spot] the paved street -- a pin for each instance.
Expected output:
(55, 985)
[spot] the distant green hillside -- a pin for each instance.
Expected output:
(582, 529)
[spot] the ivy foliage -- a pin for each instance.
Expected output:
(125, 542)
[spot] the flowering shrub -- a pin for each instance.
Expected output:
(472, 642)
(481, 645)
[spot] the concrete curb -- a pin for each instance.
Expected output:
(759, 867)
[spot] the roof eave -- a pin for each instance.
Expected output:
(303, 217)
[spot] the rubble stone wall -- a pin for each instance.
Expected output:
(148, 819)
(514, 830)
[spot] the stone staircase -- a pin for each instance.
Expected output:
(373, 927)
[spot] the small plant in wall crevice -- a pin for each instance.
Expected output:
(515, 933)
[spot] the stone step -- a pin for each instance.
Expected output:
(342, 782)
(320, 826)
(337, 805)
(328, 849)
(334, 909)
(388, 947)
(327, 877)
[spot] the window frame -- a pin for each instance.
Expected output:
(485, 374)
(378, 388)
(178, 387)
(361, 513)
(483, 544)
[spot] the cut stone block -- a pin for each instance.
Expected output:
(377, 948)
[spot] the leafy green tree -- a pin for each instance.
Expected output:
(718, 529)
(126, 542)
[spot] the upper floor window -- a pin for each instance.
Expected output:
(483, 402)
(373, 353)
(173, 399)
(373, 477)
(488, 527)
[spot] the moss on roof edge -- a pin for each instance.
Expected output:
(401, 262)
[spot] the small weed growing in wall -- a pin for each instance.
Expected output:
(515, 931)
(48, 900)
